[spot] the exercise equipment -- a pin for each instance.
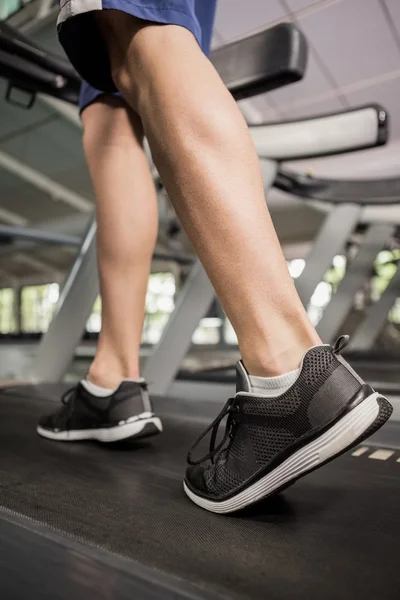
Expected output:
(84, 520)
(114, 522)
(259, 63)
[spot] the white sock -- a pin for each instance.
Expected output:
(102, 392)
(273, 386)
(96, 390)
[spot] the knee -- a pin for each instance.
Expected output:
(128, 86)
(110, 123)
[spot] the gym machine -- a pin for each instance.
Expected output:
(81, 521)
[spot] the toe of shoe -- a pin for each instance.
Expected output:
(46, 422)
(195, 478)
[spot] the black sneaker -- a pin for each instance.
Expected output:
(271, 442)
(125, 414)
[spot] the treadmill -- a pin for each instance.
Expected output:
(94, 522)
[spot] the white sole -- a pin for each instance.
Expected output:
(334, 441)
(130, 429)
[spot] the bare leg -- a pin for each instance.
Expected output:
(205, 156)
(126, 207)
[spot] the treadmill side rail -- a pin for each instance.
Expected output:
(77, 297)
(345, 131)
(357, 274)
(331, 240)
(262, 62)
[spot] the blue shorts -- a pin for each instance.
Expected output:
(84, 46)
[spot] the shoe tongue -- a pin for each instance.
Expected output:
(242, 378)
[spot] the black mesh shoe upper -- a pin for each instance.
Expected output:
(82, 410)
(261, 432)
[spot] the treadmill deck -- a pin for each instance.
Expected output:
(332, 535)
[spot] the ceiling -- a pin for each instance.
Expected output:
(354, 53)
(354, 60)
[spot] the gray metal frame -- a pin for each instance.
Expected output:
(331, 240)
(74, 306)
(193, 302)
(38, 235)
(369, 329)
(356, 276)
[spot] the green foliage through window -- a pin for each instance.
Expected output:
(10, 7)
(37, 307)
(7, 313)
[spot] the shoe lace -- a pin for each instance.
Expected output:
(68, 400)
(228, 410)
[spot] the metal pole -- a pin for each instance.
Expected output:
(80, 290)
(330, 241)
(55, 190)
(38, 235)
(193, 302)
(356, 275)
(369, 329)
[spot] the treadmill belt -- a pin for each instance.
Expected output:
(333, 535)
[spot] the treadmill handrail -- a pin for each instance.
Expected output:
(344, 131)
(30, 77)
(14, 43)
(364, 192)
(257, 63)
(261, 62)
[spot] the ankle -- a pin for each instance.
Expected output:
(109, 374)
(264, 361)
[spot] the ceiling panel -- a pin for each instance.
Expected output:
(28, 201)
(53, 149)
(387, 94)
(314, 83)
(393, 7)
(300, 4)
(257, 110)
(367, 47)
(236, 17)
(331, 105)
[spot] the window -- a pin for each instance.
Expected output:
(10, 7)
(229, 333)
(394, 313)
(325, 289)
(385, 267)
(93, 324)
(159, 305)
(208, 331)
(7, 315)
(37, 306)
(160, 302)
(296, 267)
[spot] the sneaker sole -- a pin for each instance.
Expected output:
(356, 426)
(140, 428)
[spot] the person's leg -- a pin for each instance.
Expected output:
(126, 208)
(113, 403)
(209, 166)
(298, 403)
